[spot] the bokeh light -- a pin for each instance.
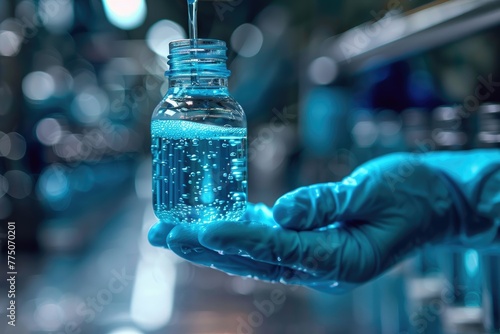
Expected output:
(365, 131)
(125, 15)
(90, 105)
(5, 144)
(17, 146)
(38, 86)
(247, 40)
(10, 43)
(49, 316)
(161, 34)
(56, 15)
(53, 183)
(12, 146)
(323, 70)
(126, 330)
(49, 131)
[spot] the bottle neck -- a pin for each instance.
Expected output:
(198, 84)
(197, 66)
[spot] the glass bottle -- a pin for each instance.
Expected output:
(199, 139)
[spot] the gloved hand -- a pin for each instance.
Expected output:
(336, 235)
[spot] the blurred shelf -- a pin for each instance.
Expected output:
(396, 35)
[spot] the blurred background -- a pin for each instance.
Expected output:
(326, 85)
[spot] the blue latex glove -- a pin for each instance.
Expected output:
(336, 235)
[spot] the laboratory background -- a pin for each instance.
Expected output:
(326, 86)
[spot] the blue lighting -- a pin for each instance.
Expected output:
(125, 15)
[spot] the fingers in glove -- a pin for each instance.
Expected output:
(320, 205)
(158, 233)
(183, 241)
(274, 245)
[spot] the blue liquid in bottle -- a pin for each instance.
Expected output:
(199, 139)
(199, 171)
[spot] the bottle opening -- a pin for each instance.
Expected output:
(198, 57)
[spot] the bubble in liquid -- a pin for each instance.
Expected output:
(238, 197)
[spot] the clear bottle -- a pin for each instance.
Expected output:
(199, 139)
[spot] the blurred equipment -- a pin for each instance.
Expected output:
(394, 35)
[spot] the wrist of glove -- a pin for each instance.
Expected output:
(473, 179)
